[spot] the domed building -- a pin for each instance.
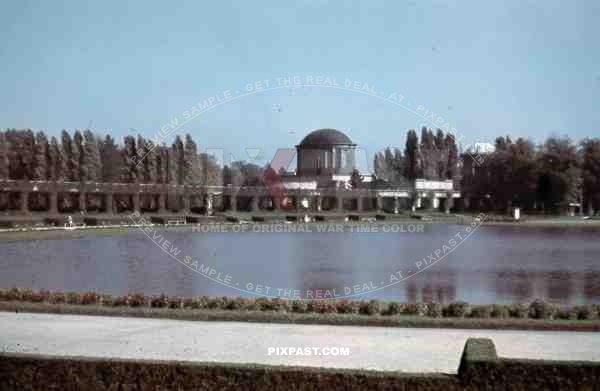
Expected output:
(326, 152)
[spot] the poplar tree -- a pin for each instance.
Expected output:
(79, 156)
(110, 157)
(41, 157)
(129, 170)
(411, 154)
(91, 158)
(27, 153)
(178, 159)
(57, 162)
(4, 159)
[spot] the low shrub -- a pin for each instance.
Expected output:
(252, 305)
(137, 300)
(57, 298)
(419, 309)
(189, 302)
(499, 311)
(88, 298)
(347, 307)
(392, 309)
(539, 309)
(372, 307)
(200, 302)
(119, 301)
(595, 309)
(481, 311)
(536, 310)
(214, 303)
(275, 305)
(38, 297)
(586, 312)
(434, 310)
(299, 306)
(566, 313)
(458, 309)
(175, 302)
(159, 301)
(322, 307)
(231, 304)
(520, 311)
(14, 294)
(73, 298)
(106, 300)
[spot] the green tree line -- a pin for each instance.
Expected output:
(84, 156)
(435, 157)
(545, 178)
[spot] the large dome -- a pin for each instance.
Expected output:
(325, 137)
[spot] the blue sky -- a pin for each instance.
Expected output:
(523, 68)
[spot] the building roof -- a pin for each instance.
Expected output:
(325, 137)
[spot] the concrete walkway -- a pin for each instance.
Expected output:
(409, 350)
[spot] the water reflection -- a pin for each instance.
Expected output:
(560, 286)
(496, 264)
(591, 287)
(432, 286)
(513, 285)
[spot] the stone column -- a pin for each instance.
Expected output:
(161, 203)
(396, 204)
(449, 203)
(359, 204)
(319, 203)
(233, 203)
(53, 202)
(254, 203)
(108, 203)
(208, 204)
(135, 200)
(24, 202)
(81, 201)
(340, 203)
(186, 204)
(379, 203)
(435, 203)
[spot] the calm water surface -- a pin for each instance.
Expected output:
(494, 265)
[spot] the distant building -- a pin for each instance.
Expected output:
(482, 148)
(326, 152)
(327, 159)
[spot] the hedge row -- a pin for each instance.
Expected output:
(536, 310)
(34, 372)
(480, 369)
